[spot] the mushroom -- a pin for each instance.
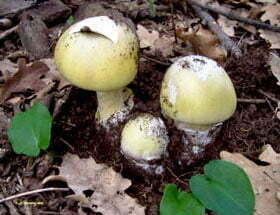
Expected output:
(144, 139)
(198, 95)
(101, 54)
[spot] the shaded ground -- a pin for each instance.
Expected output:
(74, 130)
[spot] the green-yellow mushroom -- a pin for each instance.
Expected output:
(144, 138)
(100, 54)
(197, 94)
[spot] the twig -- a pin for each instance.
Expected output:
(156, 61)
(233, 16)
(8, 32)
(269, 96)
(175, 176)
(252, 101)
(67, 144)
(33, 192)
(226, 42)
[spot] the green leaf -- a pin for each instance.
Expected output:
(225, 189)
(30, 131)
(179, 203)
(70, 20)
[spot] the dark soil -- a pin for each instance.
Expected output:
(75, 130)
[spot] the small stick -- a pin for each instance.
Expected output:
(253, 101)
(175, 176)
(67, 144)
(33, 192)
(156, 61)
(233, 16)
(8, 32)
(269, 96)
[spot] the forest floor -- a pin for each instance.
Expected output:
(74, 130)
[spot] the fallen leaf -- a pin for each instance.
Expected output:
(108, 186)
(265, 179)
(272, 37)
(7, 70)
(269, 155)
(27, 77)
(147, 38)
(204, 42)
(164, 45)
(271, 14)
(152, 40)
(274, 62)
(227, 25)
(52, 69)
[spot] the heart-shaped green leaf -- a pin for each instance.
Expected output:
(225, 189)
(179, 203)
(30, 131)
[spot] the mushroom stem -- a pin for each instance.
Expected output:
(116, 104)
(196, 137)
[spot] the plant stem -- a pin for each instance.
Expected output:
(113, 106)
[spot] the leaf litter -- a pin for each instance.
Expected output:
(204, 42)
(153, 41)
(107, 186)
(153, 49)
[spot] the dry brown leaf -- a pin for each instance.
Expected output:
(227, 25)
(271, 14)
(52, 69)
(265, 179)
(147, 38)
(27, 77)
(274, 62)
(164, 45)
(7, 69)
(40, 77)
(204, 43)
(152, 40)
(272, 37)
(108, 186)
(269, 155)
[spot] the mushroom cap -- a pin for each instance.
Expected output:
(144, 138)
(98, 54)
(197, 91)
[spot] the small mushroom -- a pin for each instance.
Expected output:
(198, 95)
(101, 54)
(144, 139)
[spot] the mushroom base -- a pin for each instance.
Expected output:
(151, 167)
(113, 106)
(196, 139)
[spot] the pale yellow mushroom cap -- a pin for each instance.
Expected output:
(197, 91)
(103, 57)
(144, 138)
